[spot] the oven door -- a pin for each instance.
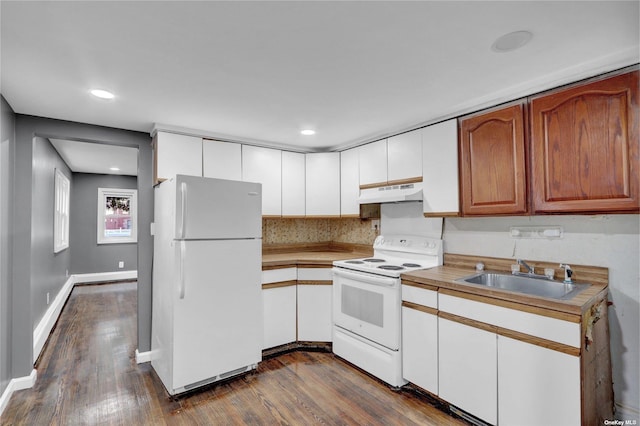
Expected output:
(368, 305)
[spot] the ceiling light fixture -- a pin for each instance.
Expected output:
(114, 169)
(308, 132)
(512, 41)
(102, 94)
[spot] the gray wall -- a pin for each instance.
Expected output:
(23, 317)
(86, 255)
(49, 270)
(7, 140)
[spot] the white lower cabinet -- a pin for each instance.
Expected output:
(420, 348)
(314, 313)
(279, 308)
(468, 369)
(536, 385)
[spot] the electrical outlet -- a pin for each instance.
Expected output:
(121, 264)
(66, 272)
(47, 298)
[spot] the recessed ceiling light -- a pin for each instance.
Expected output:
(114, 169)
(308, 132)
(512, 41)
(102, 94)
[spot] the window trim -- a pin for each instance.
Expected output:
(103, 193)
(62, 192)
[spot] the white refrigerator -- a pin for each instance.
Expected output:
(207, 266)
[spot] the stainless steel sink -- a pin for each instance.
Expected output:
(524, 284)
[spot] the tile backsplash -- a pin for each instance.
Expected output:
(297, 231)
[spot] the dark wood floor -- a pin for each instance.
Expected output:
(87, 375)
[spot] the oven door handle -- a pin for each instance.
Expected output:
(367, 278)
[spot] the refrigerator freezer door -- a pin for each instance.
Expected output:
(208, 208)
(217, 309)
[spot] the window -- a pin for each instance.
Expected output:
(61, 212)
(117, 216)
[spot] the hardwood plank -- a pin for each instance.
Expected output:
(87, 374)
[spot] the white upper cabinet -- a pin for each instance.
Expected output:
(373, 163)
(323, 184)
(222, 160)
(264, 165)
(404, 156)
(176, 154)
(293, 184)
(349, 183)
(440, 169)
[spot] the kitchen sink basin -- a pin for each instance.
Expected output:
(534, 286)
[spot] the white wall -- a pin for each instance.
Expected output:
(611, 241)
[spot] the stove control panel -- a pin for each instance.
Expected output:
(408, 243)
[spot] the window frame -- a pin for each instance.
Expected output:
(61, 205)
(103, 193)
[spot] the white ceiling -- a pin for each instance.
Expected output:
(87, 157)
(259, 72)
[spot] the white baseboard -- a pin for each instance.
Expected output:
(624, 412)
(16, 385)
(80, 279)
(44, 327)
(143, 357)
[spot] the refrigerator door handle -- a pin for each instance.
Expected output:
(182, 269)
(183, 208)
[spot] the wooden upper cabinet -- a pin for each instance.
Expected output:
(492, 162)
(584, 147)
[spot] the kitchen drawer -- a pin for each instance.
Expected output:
(278, 275)
(315, 274)
(545, 327)
(420, 296)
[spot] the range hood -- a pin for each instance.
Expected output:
(391, 193)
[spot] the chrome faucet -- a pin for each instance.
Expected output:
(568, 272)
(527, 267)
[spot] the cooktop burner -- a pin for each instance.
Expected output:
(391, 267)
(394, 255)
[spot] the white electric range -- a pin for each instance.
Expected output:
(367, 302)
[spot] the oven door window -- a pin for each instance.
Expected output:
(365, 305)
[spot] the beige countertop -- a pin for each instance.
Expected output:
(323, 258)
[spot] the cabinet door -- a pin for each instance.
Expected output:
(176, 154)
(314, 313)
(349, 183)
(323, 184)
(440, 169)
(264, 165)
(222, 160)
(279, 310)
(293, 184)
(493, 174)
(420, 348)
(536, 385)
(467, 369)
(373, 163)
(585, 147)
(404, 157)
